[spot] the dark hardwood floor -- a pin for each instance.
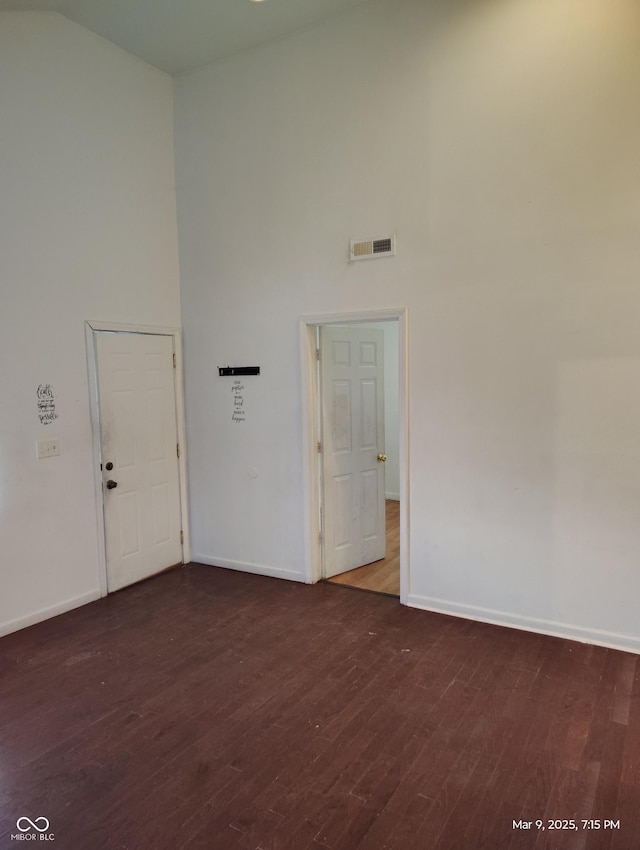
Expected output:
(219, 710)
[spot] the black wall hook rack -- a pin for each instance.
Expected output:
(231, 371)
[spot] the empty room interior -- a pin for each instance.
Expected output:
(302, 296)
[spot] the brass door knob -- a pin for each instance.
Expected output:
(381, 458)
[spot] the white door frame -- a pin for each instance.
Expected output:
(91, 329)
(310, 435)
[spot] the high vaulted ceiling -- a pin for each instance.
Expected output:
(180, 35)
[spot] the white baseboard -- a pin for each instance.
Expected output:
(248, 567)
(611, 640)
(47, 613)
(392, 497)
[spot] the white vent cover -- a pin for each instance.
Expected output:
(367, 249)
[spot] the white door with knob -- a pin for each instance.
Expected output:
(139, 451)
(353, 488)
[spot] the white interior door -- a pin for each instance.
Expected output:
(139, 455)
(352, 398)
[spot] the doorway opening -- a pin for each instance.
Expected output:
(356, 449)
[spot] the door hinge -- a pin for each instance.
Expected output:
(317, 354)
(174, 360)
(319, 447)
(321, 538)
(178, 449)
(181, 536)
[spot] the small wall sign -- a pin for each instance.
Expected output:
(46, 404)
(237, 389)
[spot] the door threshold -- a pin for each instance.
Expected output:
(361, 589)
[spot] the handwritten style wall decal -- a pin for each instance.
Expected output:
(46, 404)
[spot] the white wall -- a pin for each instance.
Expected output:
(499, 139)
(87, 231)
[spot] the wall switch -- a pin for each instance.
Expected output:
(48, 448)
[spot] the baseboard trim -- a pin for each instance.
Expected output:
(248, 567)
(598, 637)
(392, 497)
(47, 613)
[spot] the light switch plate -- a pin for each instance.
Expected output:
(48, 448)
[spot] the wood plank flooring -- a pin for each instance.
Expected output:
(382, 576)
(211, 709)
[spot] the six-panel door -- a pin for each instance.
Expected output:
(139, 438)
(352, 395)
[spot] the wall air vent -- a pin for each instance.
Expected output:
(367, 249)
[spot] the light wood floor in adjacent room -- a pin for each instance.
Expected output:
(381, 576)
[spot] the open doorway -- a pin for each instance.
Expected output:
(354, 384)
(359, 463)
